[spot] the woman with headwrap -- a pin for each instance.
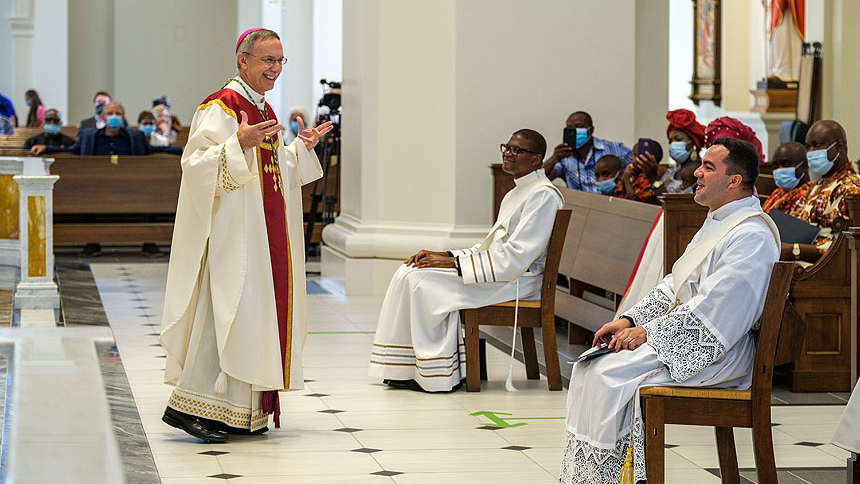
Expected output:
(727, 127)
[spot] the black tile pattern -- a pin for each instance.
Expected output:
(385, 473)
(213, 452)
(309, 381)
(225, 476)
(809, 444)
(366, 450)
(516, 447)
(332, 411)
(348, 430)
(670, 446)
(317, 395)
(488, 427)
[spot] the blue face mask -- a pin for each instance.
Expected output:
(678, 151)
(581, 136)
(786, 178)
(147, 129)
(52, 129)
(606, 187)
(818, 161)
(99, 108)
(294, 127)
(113, 122)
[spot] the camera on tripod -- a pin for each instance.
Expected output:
(324, 198)
(331, 98)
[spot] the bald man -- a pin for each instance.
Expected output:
(791, 176)
(827, 157)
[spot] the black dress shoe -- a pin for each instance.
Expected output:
(151, 250)
(192, 426)
(222, 427)
(91, 250)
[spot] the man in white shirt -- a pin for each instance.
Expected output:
(419, 342)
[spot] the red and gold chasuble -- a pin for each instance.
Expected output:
(272, 188)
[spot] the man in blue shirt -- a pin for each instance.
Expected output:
(576, 163)
(7, 110)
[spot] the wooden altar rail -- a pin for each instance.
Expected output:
(821, 293)
(134, 186)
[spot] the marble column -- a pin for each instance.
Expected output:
(37, 289)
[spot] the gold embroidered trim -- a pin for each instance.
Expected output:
(228, 183)
(219, 102)
(211, 411)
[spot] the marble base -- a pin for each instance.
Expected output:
(350, 276)
(10, 253)
(77, 434)
(37, 295)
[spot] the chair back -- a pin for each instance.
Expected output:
(780, 337)
(553, 259)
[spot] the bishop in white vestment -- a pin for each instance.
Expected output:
(694, 329)
(234, 313)
(418, 336)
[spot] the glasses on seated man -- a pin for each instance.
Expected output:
(515, 150)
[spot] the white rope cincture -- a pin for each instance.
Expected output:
(509, 381)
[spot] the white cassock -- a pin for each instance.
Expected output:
(220, 321)
(418, 336)
(847, 433)
(705, 341)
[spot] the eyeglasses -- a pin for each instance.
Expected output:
(269, 61)
(515, 150)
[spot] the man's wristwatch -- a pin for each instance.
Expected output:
(796, 251)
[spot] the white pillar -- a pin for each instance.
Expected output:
(22, 25)
(430, 90)
(37, 289)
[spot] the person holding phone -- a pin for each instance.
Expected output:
(575, 157)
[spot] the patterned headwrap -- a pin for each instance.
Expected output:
(684, 120)
(727, 127)
(245, 34)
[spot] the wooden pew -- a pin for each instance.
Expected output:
(821, 293)
(604, 238)
(136, 185)
(119, 195)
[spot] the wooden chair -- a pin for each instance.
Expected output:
(533, 314)
(779, 341)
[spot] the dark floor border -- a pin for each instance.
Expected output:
(81, 305)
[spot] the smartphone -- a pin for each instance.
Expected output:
(569, 137)
(645, 145)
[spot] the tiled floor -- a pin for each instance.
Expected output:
(347, 428)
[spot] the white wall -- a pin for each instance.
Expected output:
(6, 61)
(680, 54)
(50, 40)
(182, 49)
(327, 47)
(91, 60)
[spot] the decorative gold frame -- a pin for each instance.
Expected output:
(707, 33)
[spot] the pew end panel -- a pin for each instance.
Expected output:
(604, 238)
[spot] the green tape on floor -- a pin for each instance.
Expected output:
(503, 422)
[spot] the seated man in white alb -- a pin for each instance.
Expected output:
(419, 343)
(695, 329)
